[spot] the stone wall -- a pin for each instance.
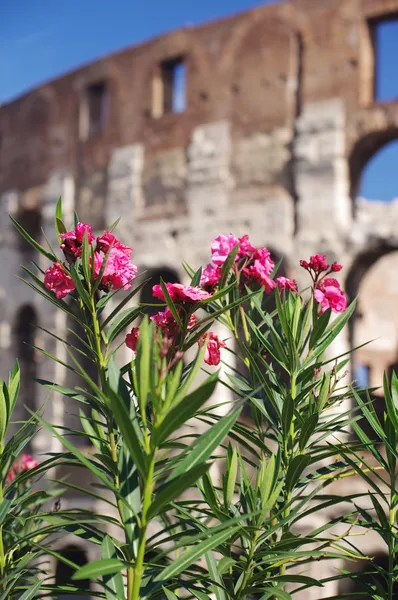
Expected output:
(279, 123)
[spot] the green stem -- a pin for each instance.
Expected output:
(289, 452)
(139, 563)
(248, 567)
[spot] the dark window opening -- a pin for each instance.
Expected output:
(30, 220)
(25, 331)
(63, 574)
(385, 44)
(169, 89)
(97, 107)
(167, 275)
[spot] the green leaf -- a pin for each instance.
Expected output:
(58, 223)
(207, 443)
(113, 583)
(33, 242)
(184, 410)
(143, 362)
(307, 429)
(278, 593)
(169, 594)
(287, 413)
(121, 322)
(171, 304)
(174, 488)
(30, 593)
(99, 568)
(214, 573)
(4, 410)
(231, 474)
(190, 556)
(296, 467)
(123, 419)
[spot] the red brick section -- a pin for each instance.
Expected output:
(254, 69)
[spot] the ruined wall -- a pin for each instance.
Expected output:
(279, 121)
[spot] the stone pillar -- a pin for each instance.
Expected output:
(209, 183)
(124, 188)
(322, 179)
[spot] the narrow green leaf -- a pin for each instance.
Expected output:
(207, 443)
(122, 321)
(296, 467)
(113, 583)
(31, 592)
(98, 568)
(123, 418)
(174, 488)
(214, 573)
(33, 242)
(184, 410)
(190, 556)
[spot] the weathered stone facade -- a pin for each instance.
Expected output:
(280, 120)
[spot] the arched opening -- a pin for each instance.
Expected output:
(373, 165)
(24, 334)
(372, 280)
(30, 220)
(168, 275)
(63, 574)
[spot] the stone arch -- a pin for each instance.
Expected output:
(154, 275)
(380, 297)
(261, 63)
(363, 150)
(63, 572)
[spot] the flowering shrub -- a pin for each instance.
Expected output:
(243, 537)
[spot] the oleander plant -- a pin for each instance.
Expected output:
(205, 498)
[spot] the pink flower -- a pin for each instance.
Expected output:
(27, 463)
(317, 263)
(214, 344)
(210, 276)
(119, 271)
(167, 323)
(336, 267)
(181, 293)
(330, 295)
(72, 241)
(286, 284)
(107, 239)
(132, 339)
(221, 247)
(261, 269)
(58, 281)
(245, 247)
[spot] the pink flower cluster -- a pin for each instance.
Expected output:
(186, 298)
(327, 290)
(27, 463)
(119, 270)
(257, 262)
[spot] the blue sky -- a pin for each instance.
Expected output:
(40, 39)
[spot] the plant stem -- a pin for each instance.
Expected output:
(247, 572)
(139, 564)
